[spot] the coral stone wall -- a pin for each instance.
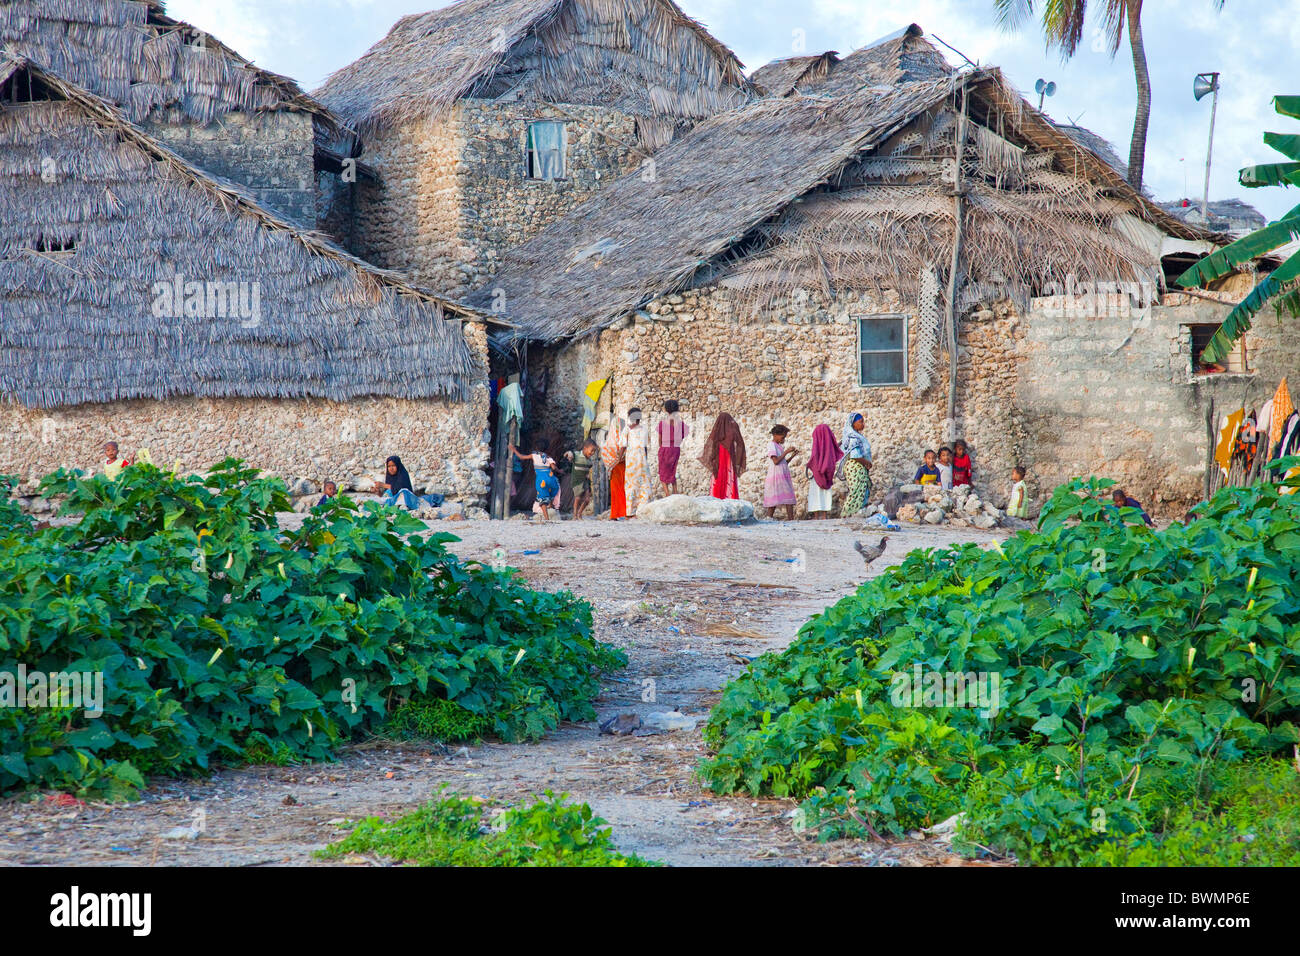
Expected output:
(440, 441)
(794, 362)
(453, 193)
(409, 220)
(271, 153)
(1108, 389)
(500, 206)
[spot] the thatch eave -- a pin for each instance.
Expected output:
(232, 195)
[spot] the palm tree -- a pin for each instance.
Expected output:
(1063, 22)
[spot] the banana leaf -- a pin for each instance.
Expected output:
(1287, 106)
(1237, 322)
(1223, 261)
(1270, 174)
(1288, 144)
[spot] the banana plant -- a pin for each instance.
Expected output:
(1279, 286)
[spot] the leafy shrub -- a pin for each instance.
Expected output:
(221, 638)
(1122, 655)
(12, 519)
(436, 718)
(455, 831)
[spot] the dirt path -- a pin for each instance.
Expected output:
(678, 600)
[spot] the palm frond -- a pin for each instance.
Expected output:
(1270, 174)
(1237, 322)
(1228, 259)
(1012, 14)
(1288, 144)
(1287, 106)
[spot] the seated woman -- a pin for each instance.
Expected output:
(396, 489)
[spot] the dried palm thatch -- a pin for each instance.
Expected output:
(644, 57)
(98, 220)
(731, 189)
(794, 72)
(132, 54)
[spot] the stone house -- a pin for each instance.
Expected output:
(486, 120)
(188, 91)
(885, 234)
(144, 300)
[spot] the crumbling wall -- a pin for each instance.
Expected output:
(1107, 389)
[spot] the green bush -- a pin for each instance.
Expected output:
(436, 718)
(455, 831)
(221, 638)
(1121, 654)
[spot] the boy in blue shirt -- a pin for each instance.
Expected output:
(928, 473)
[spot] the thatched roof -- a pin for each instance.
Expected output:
(644, 57)
(718, 192)
(1098, 144)
(781, 76)
(94, 214)
(132, 54)
(1228, 215)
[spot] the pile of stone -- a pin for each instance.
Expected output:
(27, 497)
(960, 507)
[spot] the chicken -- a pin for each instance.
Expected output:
(871, 552)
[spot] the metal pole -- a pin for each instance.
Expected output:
(1209, 152)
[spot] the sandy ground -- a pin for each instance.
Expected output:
(681, 601)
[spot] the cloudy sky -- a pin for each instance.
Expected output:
(1252, 43)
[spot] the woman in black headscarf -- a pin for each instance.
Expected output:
(397, 488)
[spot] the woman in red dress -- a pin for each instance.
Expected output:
(611, 453)
(724, 456)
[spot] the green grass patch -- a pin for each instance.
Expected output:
(456, 831)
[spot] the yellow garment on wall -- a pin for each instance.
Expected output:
(1223, 450)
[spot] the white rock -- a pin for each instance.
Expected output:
(984, 521)
(685, 509)
(934, 517)
(669, 720)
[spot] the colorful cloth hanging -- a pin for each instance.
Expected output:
(1282, 409)
(1223, 450)
(590, 396)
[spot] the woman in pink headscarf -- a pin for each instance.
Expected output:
(826, 454)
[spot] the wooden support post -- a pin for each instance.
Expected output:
(954, 265)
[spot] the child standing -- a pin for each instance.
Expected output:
(547, 484)
(961, 464)
(581, 475)
(945, 468)
(928, 473)
(1018, 503)
(779, 488)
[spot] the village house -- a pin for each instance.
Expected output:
(148, 301)
(886, 234)
(188, 91)
(486, 120)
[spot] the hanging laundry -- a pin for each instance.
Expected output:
(1282, 409)
(590, 396)
(509, 400)
(1246, 443)
(1223, 450)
